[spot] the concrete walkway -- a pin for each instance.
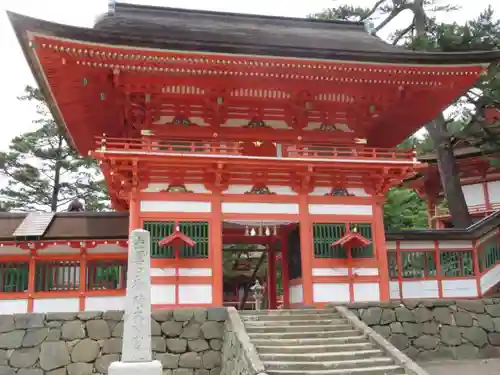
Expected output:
(469, 367)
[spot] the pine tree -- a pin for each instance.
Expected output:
(424, 33)
(44, 171)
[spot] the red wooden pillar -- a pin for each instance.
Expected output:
(284, 271)
(134, 211)
(271, 277)
(216, 250)
(306, 249)
(381, 248)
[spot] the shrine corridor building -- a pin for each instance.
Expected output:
(249, 146)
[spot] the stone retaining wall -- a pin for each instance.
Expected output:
(186, 342)
(437, 329)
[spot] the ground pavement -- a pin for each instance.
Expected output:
(476, 367)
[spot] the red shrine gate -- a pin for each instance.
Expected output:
(195, 127)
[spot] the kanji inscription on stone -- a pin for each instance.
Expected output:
(137, 325)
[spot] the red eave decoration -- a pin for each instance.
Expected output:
(352, 239)
(177, 239)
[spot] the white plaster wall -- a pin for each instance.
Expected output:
(365, 271)
(105, 303)
(331, 292)
(195, 272)
(59, 249)
(176, 206)
(418, 245)
(459, 288)
(342, 271)
(260, 208)
(296, 294)
(474, 194)
(12, 250)
(340, 209)
(108, 248)
(494, 191)
(191, 294)
(394, 290)
(391, 245)
(420, 289)
(13, 306)
(455, 245)
(44, 305)
(162, 271)
(163, 294)
(490, 278)
(329, 272)
(195, 188)
(365, 292)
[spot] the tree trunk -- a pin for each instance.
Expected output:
(449, 173)
(57, 177)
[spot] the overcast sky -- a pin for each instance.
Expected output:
(17, 117)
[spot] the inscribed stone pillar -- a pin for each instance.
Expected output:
(136, 351)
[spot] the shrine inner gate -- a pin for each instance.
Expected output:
(218, 130)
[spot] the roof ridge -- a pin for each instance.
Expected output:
(119, 6)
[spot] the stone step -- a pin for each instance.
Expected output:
(327, 365)
(289, 317)
(304, 335)
(298, 341)
(328, 348)
(289, 312)
(376, 370)
(297, 322)
(302, 329)
(321, 356)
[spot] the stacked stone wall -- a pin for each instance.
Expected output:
(186, 342)
(437, 329)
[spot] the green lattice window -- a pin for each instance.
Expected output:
(418, 264)
(106, 275)
(57, 276)
(325, 234)
(196, 230)
(489, 253)
(457, 263)
(14, 277)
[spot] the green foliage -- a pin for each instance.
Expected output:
(44, 171)
(404, 209)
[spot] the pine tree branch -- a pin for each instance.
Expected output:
(372, 10)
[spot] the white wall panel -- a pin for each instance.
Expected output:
(420, 289)
(490, 278)
(494, 191)
(340, 209)
(331, 292)
(296, 294)
(459, 288)
(474, 194)
(176, 206)
(105, 303)
(13, 306)
(260, 208)
(394, 290)
(365, 292)
(44, 305)
(192, 294)
(163, 294)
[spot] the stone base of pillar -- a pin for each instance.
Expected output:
(136, 368)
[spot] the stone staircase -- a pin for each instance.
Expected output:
(314, 342)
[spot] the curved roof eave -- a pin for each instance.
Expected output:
(195, 43)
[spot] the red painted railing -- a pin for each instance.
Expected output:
(234, 148)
